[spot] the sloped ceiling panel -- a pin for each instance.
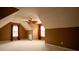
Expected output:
(6, 11)
(15, 19)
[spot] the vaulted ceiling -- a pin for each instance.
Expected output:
(6, 11)
(11, 17)
(51, 17)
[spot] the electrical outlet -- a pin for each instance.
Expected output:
(61, 43)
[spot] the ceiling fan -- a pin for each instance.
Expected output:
(30, 20)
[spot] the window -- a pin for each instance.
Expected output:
(15, 31)
(42, 31)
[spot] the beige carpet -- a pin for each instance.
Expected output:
(28, 45)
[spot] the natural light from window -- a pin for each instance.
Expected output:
(42, 31)
(15, 31)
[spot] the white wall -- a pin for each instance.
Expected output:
(59, 17)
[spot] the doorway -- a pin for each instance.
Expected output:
(15, 32)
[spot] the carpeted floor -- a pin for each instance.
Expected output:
(29, 45)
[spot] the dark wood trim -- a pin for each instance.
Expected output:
(39, 31)
(11, 32)
(18, 32)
